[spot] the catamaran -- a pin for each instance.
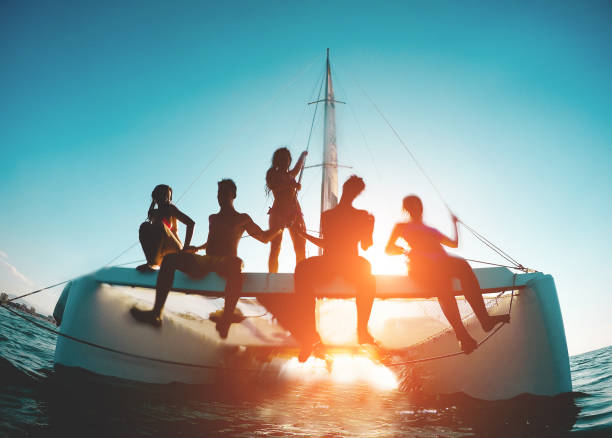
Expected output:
(528, 355)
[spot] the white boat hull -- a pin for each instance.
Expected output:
(529, 355)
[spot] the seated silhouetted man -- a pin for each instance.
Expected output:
(225, 229)
(342, 229)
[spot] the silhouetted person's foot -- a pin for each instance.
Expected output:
(218, 315)
(145, 268)
(468, 344)
(364, 337)
(146, 316)
(492, 321)
(222, 326)
(315, 348)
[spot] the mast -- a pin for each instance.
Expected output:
(329, 176)
(329, 183)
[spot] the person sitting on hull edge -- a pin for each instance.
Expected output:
(343, 228)
(224, 232)
(434, 269)
(158, 234)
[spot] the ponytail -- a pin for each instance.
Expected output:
(150, 213)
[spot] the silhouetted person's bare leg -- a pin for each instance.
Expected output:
(343, 229)
(285, 211)
(231, 271)
(448, 304)
(304, 326)
(182, 261)
(460, 269)
(224, 232)
(296, 231)
(433, 267)
(365, 285)
(275, 247)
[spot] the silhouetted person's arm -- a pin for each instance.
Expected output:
(298, 166)
(366, 240)
(256, 232)
(189, 223)
(316, 240)
(194, 249)
(447, 241)
(392, 248)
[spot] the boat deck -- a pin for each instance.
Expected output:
(492, 280)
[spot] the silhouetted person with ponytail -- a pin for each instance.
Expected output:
(225, 229)
(285, 211)
(159, 234)
(434, 269)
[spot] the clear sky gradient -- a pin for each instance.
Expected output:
(507, 107)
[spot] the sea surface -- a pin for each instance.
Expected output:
(36, 400)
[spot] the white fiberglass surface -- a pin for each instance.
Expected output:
(397, 323)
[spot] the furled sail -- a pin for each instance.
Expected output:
(329, 184)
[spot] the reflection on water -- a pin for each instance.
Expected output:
(36, 400)
(74, 402)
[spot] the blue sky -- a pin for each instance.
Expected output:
(507, 107)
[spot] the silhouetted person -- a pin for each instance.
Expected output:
(285, 211)
(159, 234)
(343, 228)
(434, 269)
(225, 229)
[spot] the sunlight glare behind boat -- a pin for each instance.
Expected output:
(342, 369)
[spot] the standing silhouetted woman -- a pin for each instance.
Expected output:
(159, 234)
(285, 211)
(434, 269)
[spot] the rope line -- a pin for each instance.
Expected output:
(416, 162)
(216, 367)
(491, 245)
(485, 339)
(125, 353)
(361, 131)
(62, 282)
(314, 116)
(121, 253)
(38, 290)
(204, 169)
(224, 148)
(479, 236)
(492, 264)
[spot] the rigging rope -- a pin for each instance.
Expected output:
(484, 240)
(492, 264)
(38, 290)
(314, 116)
(125, 353)
(479, 236)
(494, 247)
(223, 148)
(194, 365)
(406, 148)
(458, 353)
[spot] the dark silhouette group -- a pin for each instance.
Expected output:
(343, 229)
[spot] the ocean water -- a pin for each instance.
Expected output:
(36, 400)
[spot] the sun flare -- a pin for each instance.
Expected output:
(342, 369)
(385, 264)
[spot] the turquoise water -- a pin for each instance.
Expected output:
(36, 400)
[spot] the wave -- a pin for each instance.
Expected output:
(13, 375)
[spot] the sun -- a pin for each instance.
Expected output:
(383, 263)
